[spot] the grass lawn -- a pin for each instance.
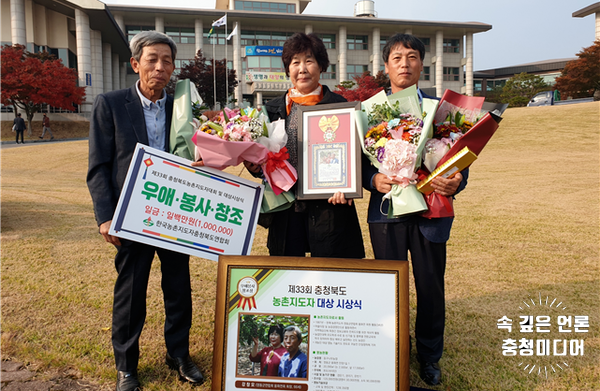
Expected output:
(527, 228)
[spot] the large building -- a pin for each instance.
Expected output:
(92, 37)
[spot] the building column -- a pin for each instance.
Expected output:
(159, 24)
(259, 100)
(342, 50)
(116, 78)
(199, 32)
(123, 75)
(597, 25)
(107, 67)
(84, 57)
(376, 50)
(120, 23)
(469, 64)
(237, 63)
(439, 63)
(17, 22)
(308, 29)
(97, 71)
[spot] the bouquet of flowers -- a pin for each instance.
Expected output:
(395, 130)
(240, 135)
(461, 130)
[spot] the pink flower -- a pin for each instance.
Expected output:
(399, 161)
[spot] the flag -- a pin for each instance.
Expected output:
(234, 32)
(210, 32)
(220, 22)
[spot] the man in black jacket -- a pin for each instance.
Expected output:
(120, 119)
(19, 126)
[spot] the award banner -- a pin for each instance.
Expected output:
(199, 211)
(343, 324)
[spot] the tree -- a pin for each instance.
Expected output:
(581, 78)
(383, 80)
(30, 80)
(519, 89)
(200, 71)
(366, 87)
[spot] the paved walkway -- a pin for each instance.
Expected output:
(15, 376)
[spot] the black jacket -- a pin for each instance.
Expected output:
(116, 126)
(333, 230)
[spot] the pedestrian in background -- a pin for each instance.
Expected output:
(19, 126)
(46, 127)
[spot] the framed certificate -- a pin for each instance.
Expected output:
(344, 324)
(329, 152)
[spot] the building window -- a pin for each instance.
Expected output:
(261, 6)
(451, 74)
(263, 38)
(427, 43)
(180, 64)
(451, 45)
(133, 30)
(356, 70)
(426, 75)
(382, 42)
(263, 64)
(476, 85)
(328, 40)
(181, 34)
(330, 73)
(357, 42)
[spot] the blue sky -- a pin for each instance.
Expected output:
(523, 31)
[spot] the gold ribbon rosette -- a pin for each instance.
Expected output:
(329, 126)
(247, 288)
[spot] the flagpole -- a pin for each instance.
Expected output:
(226, 70)
(214, 75)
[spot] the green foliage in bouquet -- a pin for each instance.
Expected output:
(383, 113)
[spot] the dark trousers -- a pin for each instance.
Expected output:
(133, 262)
(19, 132)
(393, 241)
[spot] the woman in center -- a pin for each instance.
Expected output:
(323, 228)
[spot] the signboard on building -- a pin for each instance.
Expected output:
(270, 77)
(88, 79)
(264, 51)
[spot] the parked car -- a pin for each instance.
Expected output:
(551, 98)
(545, 98)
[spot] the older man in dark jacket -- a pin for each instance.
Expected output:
(120, 119)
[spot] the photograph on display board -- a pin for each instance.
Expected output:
(266, 342)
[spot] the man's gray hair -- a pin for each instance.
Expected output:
(296, 330)
(149, 38)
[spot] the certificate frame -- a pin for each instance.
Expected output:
(329, 151)
(231, 301)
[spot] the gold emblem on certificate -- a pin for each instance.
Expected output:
(329, 126)
(247, 288)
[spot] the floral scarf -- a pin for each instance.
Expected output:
(309, 99)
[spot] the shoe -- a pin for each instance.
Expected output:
(127, 381)
(188, 371)
(52, 138)
(41, 137)
(430, 372)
